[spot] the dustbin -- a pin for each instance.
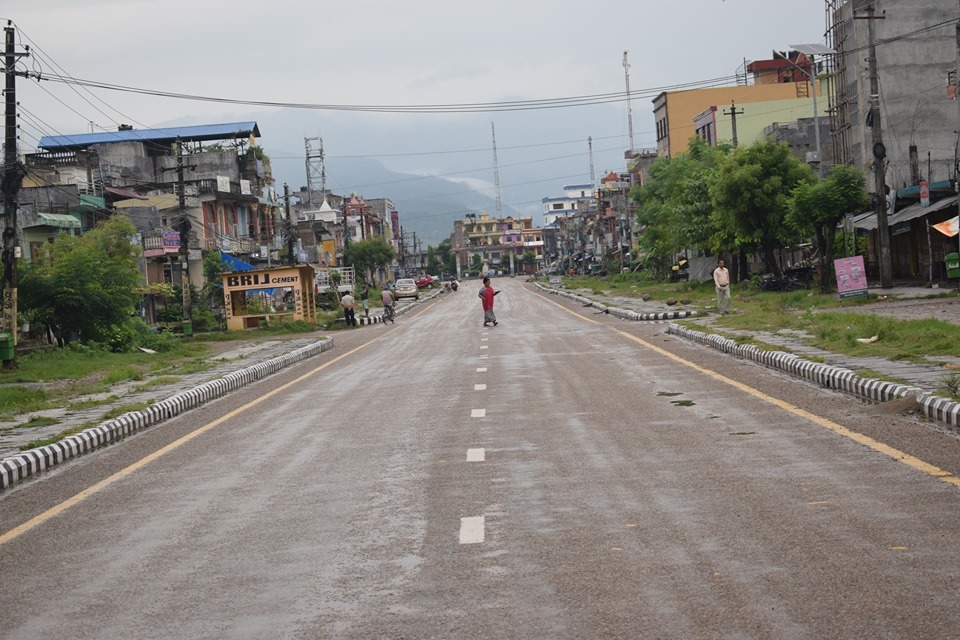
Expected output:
(953, 265)
(6, 346)
(188, 327)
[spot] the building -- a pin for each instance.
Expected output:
(916, 48)
(228, 202)
(483, 243)
(917, 118)
(676, 112)
(753, 119)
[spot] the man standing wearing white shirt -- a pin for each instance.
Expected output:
(721, 279)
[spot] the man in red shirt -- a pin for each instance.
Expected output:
(486, 294)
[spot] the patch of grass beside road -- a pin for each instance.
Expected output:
(759, 311)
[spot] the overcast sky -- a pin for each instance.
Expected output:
(420, 52)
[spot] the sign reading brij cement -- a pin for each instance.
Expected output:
(851, 277)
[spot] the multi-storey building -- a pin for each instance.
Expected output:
(228, 200)
(676, 112)
(493, 244)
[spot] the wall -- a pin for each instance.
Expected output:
(675, 111)
(912, 74)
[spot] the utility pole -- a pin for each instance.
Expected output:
(291, 260)
(879, 155)
(733, 113)
(184, 235)
(496, 169)
(956, 96)
(12, 176)
(626, 75)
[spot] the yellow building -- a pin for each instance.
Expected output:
(675, 111)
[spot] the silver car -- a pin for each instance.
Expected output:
(406, 288)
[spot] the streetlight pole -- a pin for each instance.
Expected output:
(811, 51)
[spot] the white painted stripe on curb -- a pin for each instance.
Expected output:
(476, 455)
(478, 413)
(471, 530)
(481, 369)
(479, 387)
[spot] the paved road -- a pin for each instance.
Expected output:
(563, 475)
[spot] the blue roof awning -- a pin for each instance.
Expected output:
(235, 264)
(169, 135)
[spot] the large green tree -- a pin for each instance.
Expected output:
(84, 286)
(674, 204)
(751, 194)
(368, 255)
(817, 208)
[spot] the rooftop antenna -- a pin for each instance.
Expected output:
(626, 74)
(496, 169)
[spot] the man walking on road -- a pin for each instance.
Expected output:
(721, 279)
(486, 294)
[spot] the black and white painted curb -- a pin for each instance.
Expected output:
(626, 314)
(943, 410)
(20, 467)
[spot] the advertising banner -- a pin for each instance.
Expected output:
(851, 277)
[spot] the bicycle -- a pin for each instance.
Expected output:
(389, 313)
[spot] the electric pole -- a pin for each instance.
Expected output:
(733, 113)
(879, 155)
(12, 176)
(496, 169)
(184, 235)
(290, 226)
(626, 74)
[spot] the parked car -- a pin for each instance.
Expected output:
(406, 288)
(425, 281)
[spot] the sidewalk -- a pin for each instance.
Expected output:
(832, 370)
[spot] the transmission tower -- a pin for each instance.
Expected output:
(593, 175)
(315, 168)
(496, 170)
(626, 74)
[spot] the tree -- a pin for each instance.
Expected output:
(818, 208)
(674, 204)
(368, 255)
(85, 286)
(445, 257)
(751, 193)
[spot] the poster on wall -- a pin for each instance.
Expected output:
(851, 277)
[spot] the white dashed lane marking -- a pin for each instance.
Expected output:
(484, 347)
(476, 455)
(481, 369)
(479, 387)
(478, 413)
(471, 530)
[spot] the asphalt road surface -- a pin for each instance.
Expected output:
(562, 475)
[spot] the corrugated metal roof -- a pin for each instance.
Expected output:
(198, 133)
(869, 220)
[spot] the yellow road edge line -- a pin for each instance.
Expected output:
(867, 441)
(106, 482)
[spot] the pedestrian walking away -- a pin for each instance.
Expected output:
(365, 299)
(386, 297)
(486, 295)
(347, 302)
(721, 280)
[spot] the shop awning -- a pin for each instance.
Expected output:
(869, 220)
(123, 194)
(61, 220)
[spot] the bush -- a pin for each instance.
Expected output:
(204, 320)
